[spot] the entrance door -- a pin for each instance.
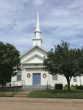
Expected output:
(36, 78)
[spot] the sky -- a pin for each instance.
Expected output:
(59, 20)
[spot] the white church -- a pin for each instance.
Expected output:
(32, 74)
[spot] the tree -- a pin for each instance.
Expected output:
(80, 61)
(9, 62)
(64, 61)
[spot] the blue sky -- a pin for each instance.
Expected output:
(59, 20)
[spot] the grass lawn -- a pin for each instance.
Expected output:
(9, 93)
(6, 94)
(57, 94)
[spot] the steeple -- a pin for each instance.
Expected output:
(37, 40)
(37, 26)
(37, 32)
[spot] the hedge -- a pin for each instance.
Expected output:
(58, 86)
(79, 87)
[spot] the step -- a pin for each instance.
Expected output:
(36, 87)
(23, 94)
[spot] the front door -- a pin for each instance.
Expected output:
(36, 78)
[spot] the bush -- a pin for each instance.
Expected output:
(58, 86)
(76, 86)
(72, 86)
(79, 87)
(65, 85)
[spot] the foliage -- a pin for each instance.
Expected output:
(73, 87)
(58, 86)
(79, 87)
(64, 61)
(9, 62)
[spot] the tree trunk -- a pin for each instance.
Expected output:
(68, 82)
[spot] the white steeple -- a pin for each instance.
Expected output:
(37, 40)
(37, 26)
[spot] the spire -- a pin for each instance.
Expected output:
(37, 41)
(37, 32)
(37, 26)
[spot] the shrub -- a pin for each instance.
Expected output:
(58, 86)
(72, 86)
(76, 85)
(65, 85)
(79, 87)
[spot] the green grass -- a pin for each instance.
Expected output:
(56, 94)
(8, 93)
(72, 88)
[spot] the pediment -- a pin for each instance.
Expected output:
(34, 59)
(35, 54)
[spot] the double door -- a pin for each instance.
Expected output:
(36, 78)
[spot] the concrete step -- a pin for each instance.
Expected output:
(23, 93)
(36, 87)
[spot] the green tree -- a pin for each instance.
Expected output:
(64, 61)
(80, 61)
(9, 62)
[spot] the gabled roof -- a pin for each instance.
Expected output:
(32, 49)
(29, 59)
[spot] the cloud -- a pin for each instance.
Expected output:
(59, 20)
(64, 23)
(39, 2)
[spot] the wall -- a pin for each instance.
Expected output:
(28, 81)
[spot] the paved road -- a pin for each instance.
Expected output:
(23, 103)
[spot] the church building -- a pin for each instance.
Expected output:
(32, 74)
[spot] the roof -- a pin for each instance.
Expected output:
(32, 49)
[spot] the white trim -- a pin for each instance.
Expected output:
(33, 57)
(31, 50)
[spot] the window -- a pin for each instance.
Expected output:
(55, 77)
(18, 77)
(74, 79)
